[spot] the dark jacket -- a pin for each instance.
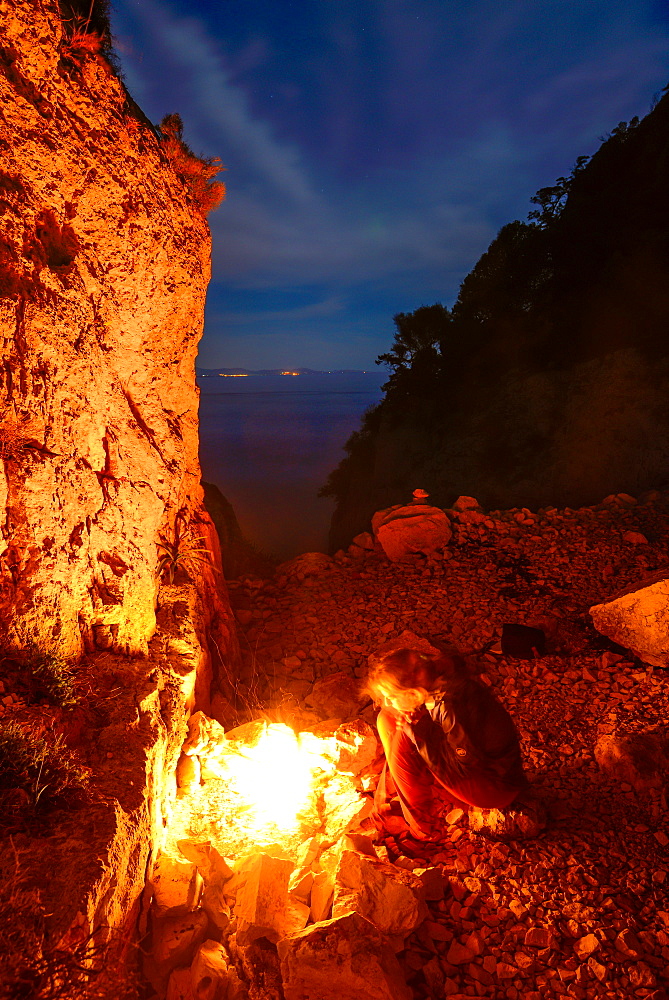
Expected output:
(470, 743)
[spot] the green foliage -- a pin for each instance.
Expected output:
(416, 332)
(196, 171)
(37, 773)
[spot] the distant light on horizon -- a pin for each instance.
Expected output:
(237, 375)
(290, 373)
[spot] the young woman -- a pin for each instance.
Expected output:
(446, 739)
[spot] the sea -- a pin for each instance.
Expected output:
(269, 443)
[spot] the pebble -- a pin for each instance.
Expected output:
(542, 910)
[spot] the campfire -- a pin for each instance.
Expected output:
(268, 872)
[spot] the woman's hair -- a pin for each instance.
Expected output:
(409, 668)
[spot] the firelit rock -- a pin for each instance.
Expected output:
(370, 888)
(179, 987)
(174, 942)
(260, 886)
(516, 822)
(102, 287)
(176, 886)
(344, 957)
(641, 759)
(209, 972)
(638, 620)
(338, 696)
(406, 531)
(358, 746)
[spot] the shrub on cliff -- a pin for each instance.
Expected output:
(197, 172)
(86, 31)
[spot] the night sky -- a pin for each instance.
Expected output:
(374, 147)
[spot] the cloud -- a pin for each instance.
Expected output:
(224, 105)
(331, 306)
(411, 143)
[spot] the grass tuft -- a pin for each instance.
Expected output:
(52, 678)
(197, 172)
(37, 773)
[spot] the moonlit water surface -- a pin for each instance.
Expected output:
(269, 443)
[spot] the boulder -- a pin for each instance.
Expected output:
(174, 943)
(260, 887)
(343, 957)
(371, 889)
(176, 886)
(362, 545)
(520, 821)
(204, 736)
(641, 759)
(338, 695)
(358, 746)
(638, 620)
(179, 986)
(409, 530)
(209, 972)
(466, 503)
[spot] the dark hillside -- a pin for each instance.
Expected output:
(548, 380)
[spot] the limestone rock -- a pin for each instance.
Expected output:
(260, 886)
(466, 503)
(209, 972)
(205, 736)
(519, 821)
(640, 758)
(343, 806)
(174, 942)
(406, 531)
(179, 986)
(209, 861)
(431, 883)
(585, 945)
(369, 888)
(361, 545)
(344, 957)
(321, 896)
(638, 620)
(176, 886)
(188, 774)
(358, 746)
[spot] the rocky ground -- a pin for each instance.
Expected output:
(582, 910)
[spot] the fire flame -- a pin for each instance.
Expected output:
(273, 780)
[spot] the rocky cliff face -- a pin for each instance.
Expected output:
(104, 263)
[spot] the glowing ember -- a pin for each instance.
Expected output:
(276, 776)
